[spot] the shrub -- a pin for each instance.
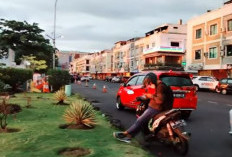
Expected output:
(4, 87)
(60, 96)
(58, 78)
(80, 113)
(15, 77)
(3, 113)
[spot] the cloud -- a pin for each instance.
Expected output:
(91, 25)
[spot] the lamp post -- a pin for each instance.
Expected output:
(54, 37)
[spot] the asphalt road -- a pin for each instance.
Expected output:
(209, 124)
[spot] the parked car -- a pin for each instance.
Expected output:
(224, 86)
(85, 78)
(184, 91)
(116, 79)
(90, 77)
(108, 78)
(205, 82)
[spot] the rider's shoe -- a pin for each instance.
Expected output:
(121, 137)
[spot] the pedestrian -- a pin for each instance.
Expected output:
(162, 95)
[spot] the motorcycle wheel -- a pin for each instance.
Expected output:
(181, 145)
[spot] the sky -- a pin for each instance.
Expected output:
(95, 25)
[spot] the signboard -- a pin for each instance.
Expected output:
(163, 49)
(183, 63)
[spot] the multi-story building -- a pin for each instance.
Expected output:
(135, 54)
(165, 47)
(66, 58)
(120, 52)
(209, 42)
(101, 64)
(81, 65)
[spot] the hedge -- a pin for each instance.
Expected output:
(15, 77)
(58, 78)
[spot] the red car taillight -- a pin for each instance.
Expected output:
(192, 90)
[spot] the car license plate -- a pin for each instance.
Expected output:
(178, 95)
(178, 124)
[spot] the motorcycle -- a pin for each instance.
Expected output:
(166, 127)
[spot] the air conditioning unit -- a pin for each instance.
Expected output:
(223, 29)
(206, 54)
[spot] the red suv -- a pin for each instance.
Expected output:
(184, 92)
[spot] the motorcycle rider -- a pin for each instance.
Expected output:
(158, 100)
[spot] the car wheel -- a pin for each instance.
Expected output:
(119, 105)
(224, 91)
(197, 87)
(217, 90)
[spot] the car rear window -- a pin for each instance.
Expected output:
(176, 81)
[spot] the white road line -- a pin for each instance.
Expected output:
(229, 105)
(212, 102)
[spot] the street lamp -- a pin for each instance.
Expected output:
(54, 37)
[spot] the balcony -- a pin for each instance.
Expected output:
(164, 49)
(162, 66)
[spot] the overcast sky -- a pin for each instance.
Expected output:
(95, 25)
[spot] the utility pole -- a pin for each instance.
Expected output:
(54, 37)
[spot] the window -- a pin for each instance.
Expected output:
(175, 44)
(198, 33)
(203, 79)
(230, 25)
(175, 27)
(132, 81)
(213, 29)
(70, 59)
(176, 80)
(153, 44)
(140, 80)
(87, 61)
(87, 68)
(230, 81)
(197, 54)
(228, 50)
(132, 63)
(147, 46)
(209, 79)
(224, 81)
(213, 52)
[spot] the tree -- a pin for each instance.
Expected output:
(25, 39)
(34, 64)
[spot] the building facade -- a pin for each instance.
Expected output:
(101, 64)
(165, 47)
(209, 42)
(66, 58)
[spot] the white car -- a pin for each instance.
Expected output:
(85, 78)
(116, 79)
(205, 82)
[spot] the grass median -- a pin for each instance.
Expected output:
(39, 133)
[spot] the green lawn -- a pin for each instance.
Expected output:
(40, 134)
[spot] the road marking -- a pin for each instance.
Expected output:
(212, 102)
(229, 105)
